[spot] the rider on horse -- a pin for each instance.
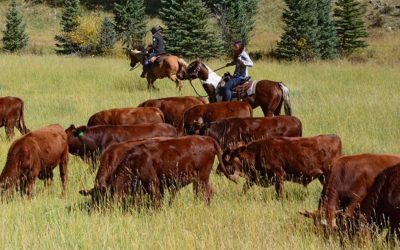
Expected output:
(156, 49)
(241, 60)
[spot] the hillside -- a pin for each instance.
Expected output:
(43, 24)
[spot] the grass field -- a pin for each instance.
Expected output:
(359, 102)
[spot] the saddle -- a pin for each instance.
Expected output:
(240, 91)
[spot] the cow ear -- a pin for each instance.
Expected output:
(80, 132)
(70, 128)
(86, 192)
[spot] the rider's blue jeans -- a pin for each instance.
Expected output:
(234, 81)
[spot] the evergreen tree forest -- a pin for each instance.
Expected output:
(312, 30)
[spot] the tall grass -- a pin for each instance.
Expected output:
(359, 102)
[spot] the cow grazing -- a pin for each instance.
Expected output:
(152, 166)
(348, 183)
(12, 115)
(276, 159)
(229, 132)
(126, 116)
(174, 107)
(197, 118)
(382, 203)
(89, 142)
(35, 155)
(109, 161)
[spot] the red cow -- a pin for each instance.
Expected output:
(276, 159)
(35, 155)
(126, 116)
(12, 115)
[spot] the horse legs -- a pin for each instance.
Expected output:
(178, 82)
(150, 83)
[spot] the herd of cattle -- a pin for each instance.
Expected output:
(171, 142)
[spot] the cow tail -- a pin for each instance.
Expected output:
(286, 98)
(21, 121)
(219, 155)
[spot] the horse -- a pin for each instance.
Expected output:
(269, 95)
(170, 66)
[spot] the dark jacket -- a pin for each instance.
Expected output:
(157, 47)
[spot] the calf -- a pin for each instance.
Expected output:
(152, 166)
(12, 115)
(173, 108)
(348, 183)
(229, 132)
(35, 155)
(89, 142)
(382, 203)
(126, 116)
(278, 159)
(197, 118)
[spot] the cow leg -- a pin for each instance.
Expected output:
(9, 131)
(31, 180)
(279, 185)
(155, 194)
(64, 172)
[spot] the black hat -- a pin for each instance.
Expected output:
(154, 30)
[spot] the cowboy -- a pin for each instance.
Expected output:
(156, 49)
(241, 60)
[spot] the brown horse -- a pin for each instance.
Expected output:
(269, 95)
(169, 67)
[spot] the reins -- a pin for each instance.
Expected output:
(197, 93)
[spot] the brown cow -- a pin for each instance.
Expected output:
(198, 117)
(109, 161)
(126, 116)
(174, 163)
(229, 132)
(276, 159)
(89, 142)
(174, 107)
(382, 203)
(34, 155)
(348, 183)
(12, 115)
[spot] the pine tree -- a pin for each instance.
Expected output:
(326, 30)
(69, 22)
(236, 19)
(188, 33)
(350, 27)
(130, 22)
(14, 36)
(107, 37)
(300, 38)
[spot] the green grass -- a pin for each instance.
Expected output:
(359, 102)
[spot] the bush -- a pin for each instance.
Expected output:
(86, 35)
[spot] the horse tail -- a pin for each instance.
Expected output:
(21, 122)
(286, 98)
(182, 66)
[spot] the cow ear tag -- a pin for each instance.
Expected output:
(80, 134)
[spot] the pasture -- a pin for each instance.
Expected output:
(359, 102)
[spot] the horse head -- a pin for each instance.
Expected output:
(136, 56)
(197, 69)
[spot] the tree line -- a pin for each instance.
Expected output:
(202, 28)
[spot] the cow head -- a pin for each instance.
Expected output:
(327, 226)
(99, 195)
(196, 127)
(232, 159)
(78, 141)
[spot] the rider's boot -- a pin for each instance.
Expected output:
(146, 66)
